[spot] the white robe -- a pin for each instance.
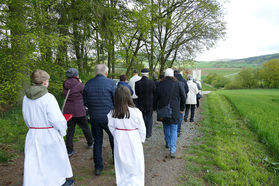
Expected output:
(46, 161)
(128, 150)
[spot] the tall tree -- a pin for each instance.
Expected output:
(185, 27)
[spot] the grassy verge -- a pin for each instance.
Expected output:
(228, 153)
(12, 136)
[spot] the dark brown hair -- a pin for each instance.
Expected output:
(122, 101)
(123, 77)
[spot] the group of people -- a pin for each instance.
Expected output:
(124, 111)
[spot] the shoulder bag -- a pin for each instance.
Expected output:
(165, 113)
(67, 116)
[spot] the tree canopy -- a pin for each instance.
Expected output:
(54, 35)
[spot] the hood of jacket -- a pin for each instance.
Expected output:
(179, 76)
(70, 83)
(35, 91)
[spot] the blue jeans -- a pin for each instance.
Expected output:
(170, 131)
(180, 122)
(148, 120)
(97, 133)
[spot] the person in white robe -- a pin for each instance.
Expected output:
(128, 129)
(46, 161)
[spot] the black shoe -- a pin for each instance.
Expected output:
(167, 146)
(178, 134)
(98, 172)
(69, 183)
(185, 119)
(191, 120)
(72, 153)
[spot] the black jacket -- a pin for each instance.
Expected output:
(171, 88)
(145, 90)
(183, 81)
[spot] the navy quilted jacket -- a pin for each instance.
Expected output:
(98, 96)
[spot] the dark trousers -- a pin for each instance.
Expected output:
(192, 112)
(198, 102)
(83, 124)
(180, 123)
(97, 132)
(148, 120)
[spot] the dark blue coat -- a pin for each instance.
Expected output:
(183, 82)
(98, 96)
(123, 83)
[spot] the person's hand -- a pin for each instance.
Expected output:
(80, 80)
(182, 112)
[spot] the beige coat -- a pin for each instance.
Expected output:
(192, 94)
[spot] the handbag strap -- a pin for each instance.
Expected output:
(65, 100)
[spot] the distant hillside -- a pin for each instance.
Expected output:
(238, 63)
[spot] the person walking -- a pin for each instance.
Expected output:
(191, 99)
(132, 83)
(123, 82)
(127, 127)
(171, 92)
(183, 83)
(74, 105)
(98, 95)
(145, 90)
(46, 161)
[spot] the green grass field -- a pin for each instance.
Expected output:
(227, 72)
(229, 152)
(261, 108)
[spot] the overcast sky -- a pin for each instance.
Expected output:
(252, 30)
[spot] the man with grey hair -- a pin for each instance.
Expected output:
(98, 96)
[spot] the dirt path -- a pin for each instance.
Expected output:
(159, 168)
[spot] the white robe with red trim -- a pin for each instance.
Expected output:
(128, 150)
(46, 161)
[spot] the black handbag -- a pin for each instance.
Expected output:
(199, 96)
(165, 113)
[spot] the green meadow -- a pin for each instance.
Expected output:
(261, 108)
(239, 140)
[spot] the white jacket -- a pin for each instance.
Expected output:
(192, 94)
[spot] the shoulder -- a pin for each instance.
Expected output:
(49, 95)
(135, 111)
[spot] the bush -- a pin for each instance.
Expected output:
(218, 81)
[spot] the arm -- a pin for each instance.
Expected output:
(111, 123)
(55, 116)
(182, 97)
(84, 95)
(113, 92)
(141, 126)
